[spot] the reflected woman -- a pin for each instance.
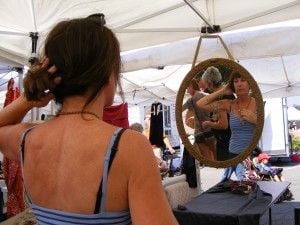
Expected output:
(242, 115)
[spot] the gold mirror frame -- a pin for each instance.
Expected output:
(193, 149)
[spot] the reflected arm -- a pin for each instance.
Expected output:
(221, 124)
(210, 103)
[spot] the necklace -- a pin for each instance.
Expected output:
(240, 110)
(239, 106)
(78, 112)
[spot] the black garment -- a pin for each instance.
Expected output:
(223, 137)
(188, 168)
(156, 135)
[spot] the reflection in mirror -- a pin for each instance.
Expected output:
(222, 115)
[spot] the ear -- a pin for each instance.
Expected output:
(112, 79)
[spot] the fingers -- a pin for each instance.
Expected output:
(45, 62)
(57, 80)
(52, 69)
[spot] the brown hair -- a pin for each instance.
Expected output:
(85, 53)
(233, 76)
(194, 84)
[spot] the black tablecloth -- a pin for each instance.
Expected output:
(224, 207)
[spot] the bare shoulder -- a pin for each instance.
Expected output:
(137, 150)
(11, 139)
(134, 141)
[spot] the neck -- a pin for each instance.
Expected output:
(243, 102)
(76, 104)
(243, 97)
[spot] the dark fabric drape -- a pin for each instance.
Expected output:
(12, 169)
(156, 135)
(188, 168)
(117, 115)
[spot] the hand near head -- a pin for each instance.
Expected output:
(227, 90)
(40, 80)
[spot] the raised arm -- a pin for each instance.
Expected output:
(13, 114)
(211, 103)
(10, 127)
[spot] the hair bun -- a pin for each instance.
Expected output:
(36, 82)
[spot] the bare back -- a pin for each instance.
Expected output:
(66, 157)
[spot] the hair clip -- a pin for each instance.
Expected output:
(98, 17)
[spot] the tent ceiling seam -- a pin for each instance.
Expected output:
(285, 72)
(3, 32)
(261, 14)
(144, 88)
(159, 30)
(76, 5)
(13, 77)
(272, 84)
(276, 89)
(169, 88)
(189, 3)
(214, 10)
(266, 57)
(165, 77)
(33, 16)
(152, 15)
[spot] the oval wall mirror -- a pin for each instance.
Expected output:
(219, 112)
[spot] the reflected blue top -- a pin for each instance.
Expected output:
(241, 134)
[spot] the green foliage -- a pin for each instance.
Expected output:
(296, 145)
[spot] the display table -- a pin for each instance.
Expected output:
(216, 206)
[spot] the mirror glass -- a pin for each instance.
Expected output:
(219, 112)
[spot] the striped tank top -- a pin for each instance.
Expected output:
(46, 216)
(241, 134)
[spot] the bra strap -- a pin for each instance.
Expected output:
(108, 160)
(22, 149)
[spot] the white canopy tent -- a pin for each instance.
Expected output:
(293, 114)
(164, 34)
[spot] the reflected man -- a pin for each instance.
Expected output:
(204, 137)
